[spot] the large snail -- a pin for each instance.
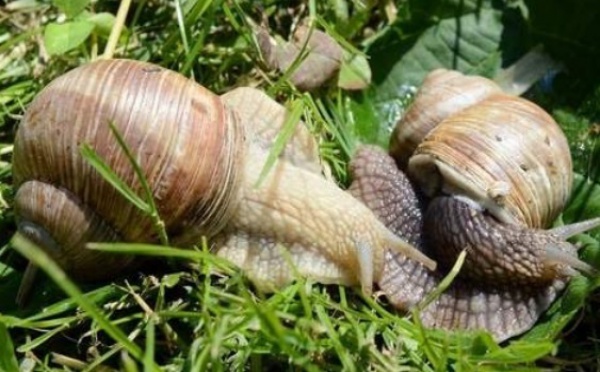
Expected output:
(202, 163)
(485, 172)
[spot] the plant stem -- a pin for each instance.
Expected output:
(115, 33)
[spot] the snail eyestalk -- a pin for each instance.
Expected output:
(555, 255)
(41, 237)
(397, 245)
(365, 257)
(567, 231)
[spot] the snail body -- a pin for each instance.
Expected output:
(202, 164)
(487, 178)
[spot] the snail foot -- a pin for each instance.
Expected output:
(270, 264)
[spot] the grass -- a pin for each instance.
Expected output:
(198, 312)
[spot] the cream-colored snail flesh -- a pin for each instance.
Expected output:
(202, 164)
(486, 176)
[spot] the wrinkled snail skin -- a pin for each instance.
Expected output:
(202, 164)
(503, 310)
(497, 253)
(296, 206)
(378, 183)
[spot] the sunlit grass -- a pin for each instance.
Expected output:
(193, 311)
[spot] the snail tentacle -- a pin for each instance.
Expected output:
(557, 255)
(567, 231)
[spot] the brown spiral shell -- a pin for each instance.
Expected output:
(503, 152)
(182, 136)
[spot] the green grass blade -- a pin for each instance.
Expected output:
(283, 137)
(150, 339)
(445, 283)
(153, 210)
(92, 157)
(42, 260)
(36, 342)
(100, 295)
(147, 250)
(8, 360)
(152, 250)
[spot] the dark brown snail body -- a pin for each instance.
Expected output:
(202, 160)
(486, 176)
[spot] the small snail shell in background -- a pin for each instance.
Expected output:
(202, 164)
(485, 178)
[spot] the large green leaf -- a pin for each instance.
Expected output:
(583, 137)
(570, 30)
(432, 9)
(470, 43)
(585, 200)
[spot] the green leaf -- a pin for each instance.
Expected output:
(444, 8)
(371, 121)
(569, 30)
(355, 73)
(516, 352)
(71, 8)
(103, 21)
(8, 360)
(583, 142)
(575, 294)
(470, 44)
(61, 38)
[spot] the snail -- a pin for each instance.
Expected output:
(202, 160)
(474, 169)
